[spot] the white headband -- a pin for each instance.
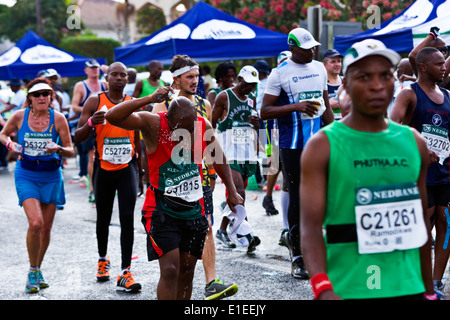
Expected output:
(180, 71)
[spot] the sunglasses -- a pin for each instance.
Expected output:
(38, 94)
(443, 50)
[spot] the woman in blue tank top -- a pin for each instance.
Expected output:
(38, 174)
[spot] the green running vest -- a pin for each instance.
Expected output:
(368, 159)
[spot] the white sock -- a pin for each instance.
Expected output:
(284, 207)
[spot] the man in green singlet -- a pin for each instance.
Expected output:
(146, 87)
(235, 117)
(364, 181)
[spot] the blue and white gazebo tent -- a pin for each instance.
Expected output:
(406, 30)
(32, 54)
(204, 34)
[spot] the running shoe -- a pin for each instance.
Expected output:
(41, 281)
(439, 289)
(298, 270)
(283, 238)
(126, 283)
(32, 285)
(222, 235)
(91, 197)
(269, 206)
(103, 270)
(253, 244)
(216, 290)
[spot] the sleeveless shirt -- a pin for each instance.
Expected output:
(172, 177)
(371, 160)
(432, 121)
(114, 146)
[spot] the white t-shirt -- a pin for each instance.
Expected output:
(293, 83)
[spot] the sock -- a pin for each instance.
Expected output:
(103, 258)
(284, 207)
(33, 269)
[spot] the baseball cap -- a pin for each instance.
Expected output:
(368, 47)
(331, 53)
(92, 64)
(262, 66)
(50, 73)
(40, 86)
(15, 82)
(301, 38)
(249, 74)
(283, 55)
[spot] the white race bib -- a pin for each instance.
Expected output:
(389, 218)
(189, 190)
(437, 141)
(117, 150)
(35, 143)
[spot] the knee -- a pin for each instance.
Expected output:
(169, 271)
(36, 226)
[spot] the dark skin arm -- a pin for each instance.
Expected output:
(425, 250)
(403, 110)
(270, 111)
(314, 168)
(89, 110)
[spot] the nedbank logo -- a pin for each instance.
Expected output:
(364, 196)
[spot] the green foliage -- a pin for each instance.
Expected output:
(21, 17)
(284, 15)
(150, 19)
(91, 46)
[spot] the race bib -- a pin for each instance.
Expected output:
(242, 135)
(35, 143)
(189, 190)
(437, 141)
(117, 150)
(389, 218)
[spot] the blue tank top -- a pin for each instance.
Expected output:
(33, 148)
(88, 92)
(432, 121)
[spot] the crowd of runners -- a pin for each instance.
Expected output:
(360, 139)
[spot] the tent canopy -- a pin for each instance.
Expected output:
(32, 54)
(204, 34)
(406, 30)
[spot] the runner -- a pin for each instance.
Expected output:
(426, 107)
(38, 174)
(146, 87)
(332, 60)
(115, 170)
(351, 171)
(296, 95)
(175, 220)
(215, 289)
(81, 92)
(234, 114)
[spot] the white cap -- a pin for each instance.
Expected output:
(50, 73)
(301, 38)
(249, 74)
(283, 56)
(40, 86)
(368, 47)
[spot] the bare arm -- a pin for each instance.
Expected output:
(328, 116)
(89, 110)
(314, 169)
(62, 127)
(219, 108)
(404, 105)
(269, 109)
(425, 250)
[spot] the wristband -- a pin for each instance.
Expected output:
(430, 296)
(320, 283)
(8, 145)
(90, 124)
(433, 35)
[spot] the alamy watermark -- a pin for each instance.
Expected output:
(74, 20)
(374, 17)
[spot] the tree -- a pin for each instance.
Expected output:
(284, 15)
(21, 17)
